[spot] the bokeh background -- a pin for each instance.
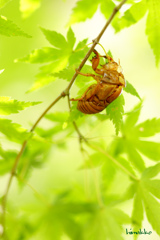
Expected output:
(138, 63)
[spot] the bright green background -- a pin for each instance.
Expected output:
(61, 171)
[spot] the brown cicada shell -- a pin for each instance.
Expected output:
(110, 82)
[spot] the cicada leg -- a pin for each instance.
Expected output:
(83, 96)
(97, 78)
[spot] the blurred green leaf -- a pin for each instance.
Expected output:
(94, 160)
(46, 54)
(75, 114)
(25, 228)
(133, 116)
(131, 16)
(145, 195)
(152, 208)
(57, 116)
(130, 192)
(10, 29)
(45, 76)
(8, 105)
(79, 53)
(108, 173)
(6, 160)
(153, 186)
(59, 219)
(71, 39)
(152, 27)
(58, 57)
(137, 212)
(126, 165)
(151, 172)
(34, 156)
(56, 39)
(3, 3)
(109, 225)
(148, 128)
(130, 89)
(13, 131)
(79, 12)
(107, 7)
(131, 143)
(27, 7)
(134, 156)
(149, 149)
(66, 73)
(115, 111)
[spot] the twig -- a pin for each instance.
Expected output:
(81, 137)
(63, 94)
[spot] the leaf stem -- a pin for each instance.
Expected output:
(113, 160)
(63, 94)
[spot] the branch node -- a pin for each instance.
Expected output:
(65, 93)
(95, 41)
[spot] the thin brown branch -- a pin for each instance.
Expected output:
(63, 94)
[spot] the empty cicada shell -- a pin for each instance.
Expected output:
(110, 82)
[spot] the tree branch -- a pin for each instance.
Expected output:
(63, 94)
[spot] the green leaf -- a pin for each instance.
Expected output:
(131, 16)
(45, 76)
(57, 116)
(56, 39)
(78, 54)
(58, 57)
(7, 160)
(132, 117)
(67, 73)
(137, 213)
(71, 38)
(49, 133)
(152, 208)
(120, 216)
(109, 225)
(79, 12)
(149, 149)
(46, 54)
(27, 7)
(108, 173)
(115, 111)
(75, 114)
(152, 27)
(126, 165)
(13, 131)
(58, 220)
(130, 192)
(3, 3)
(151, 171)
(107, 7)
(8, 105)
(130, 89)
(148, 128)
(34, 156)
(153, 186)
(10, 29)
(95, 160)
(134, 156)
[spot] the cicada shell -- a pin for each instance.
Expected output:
(110, 82)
